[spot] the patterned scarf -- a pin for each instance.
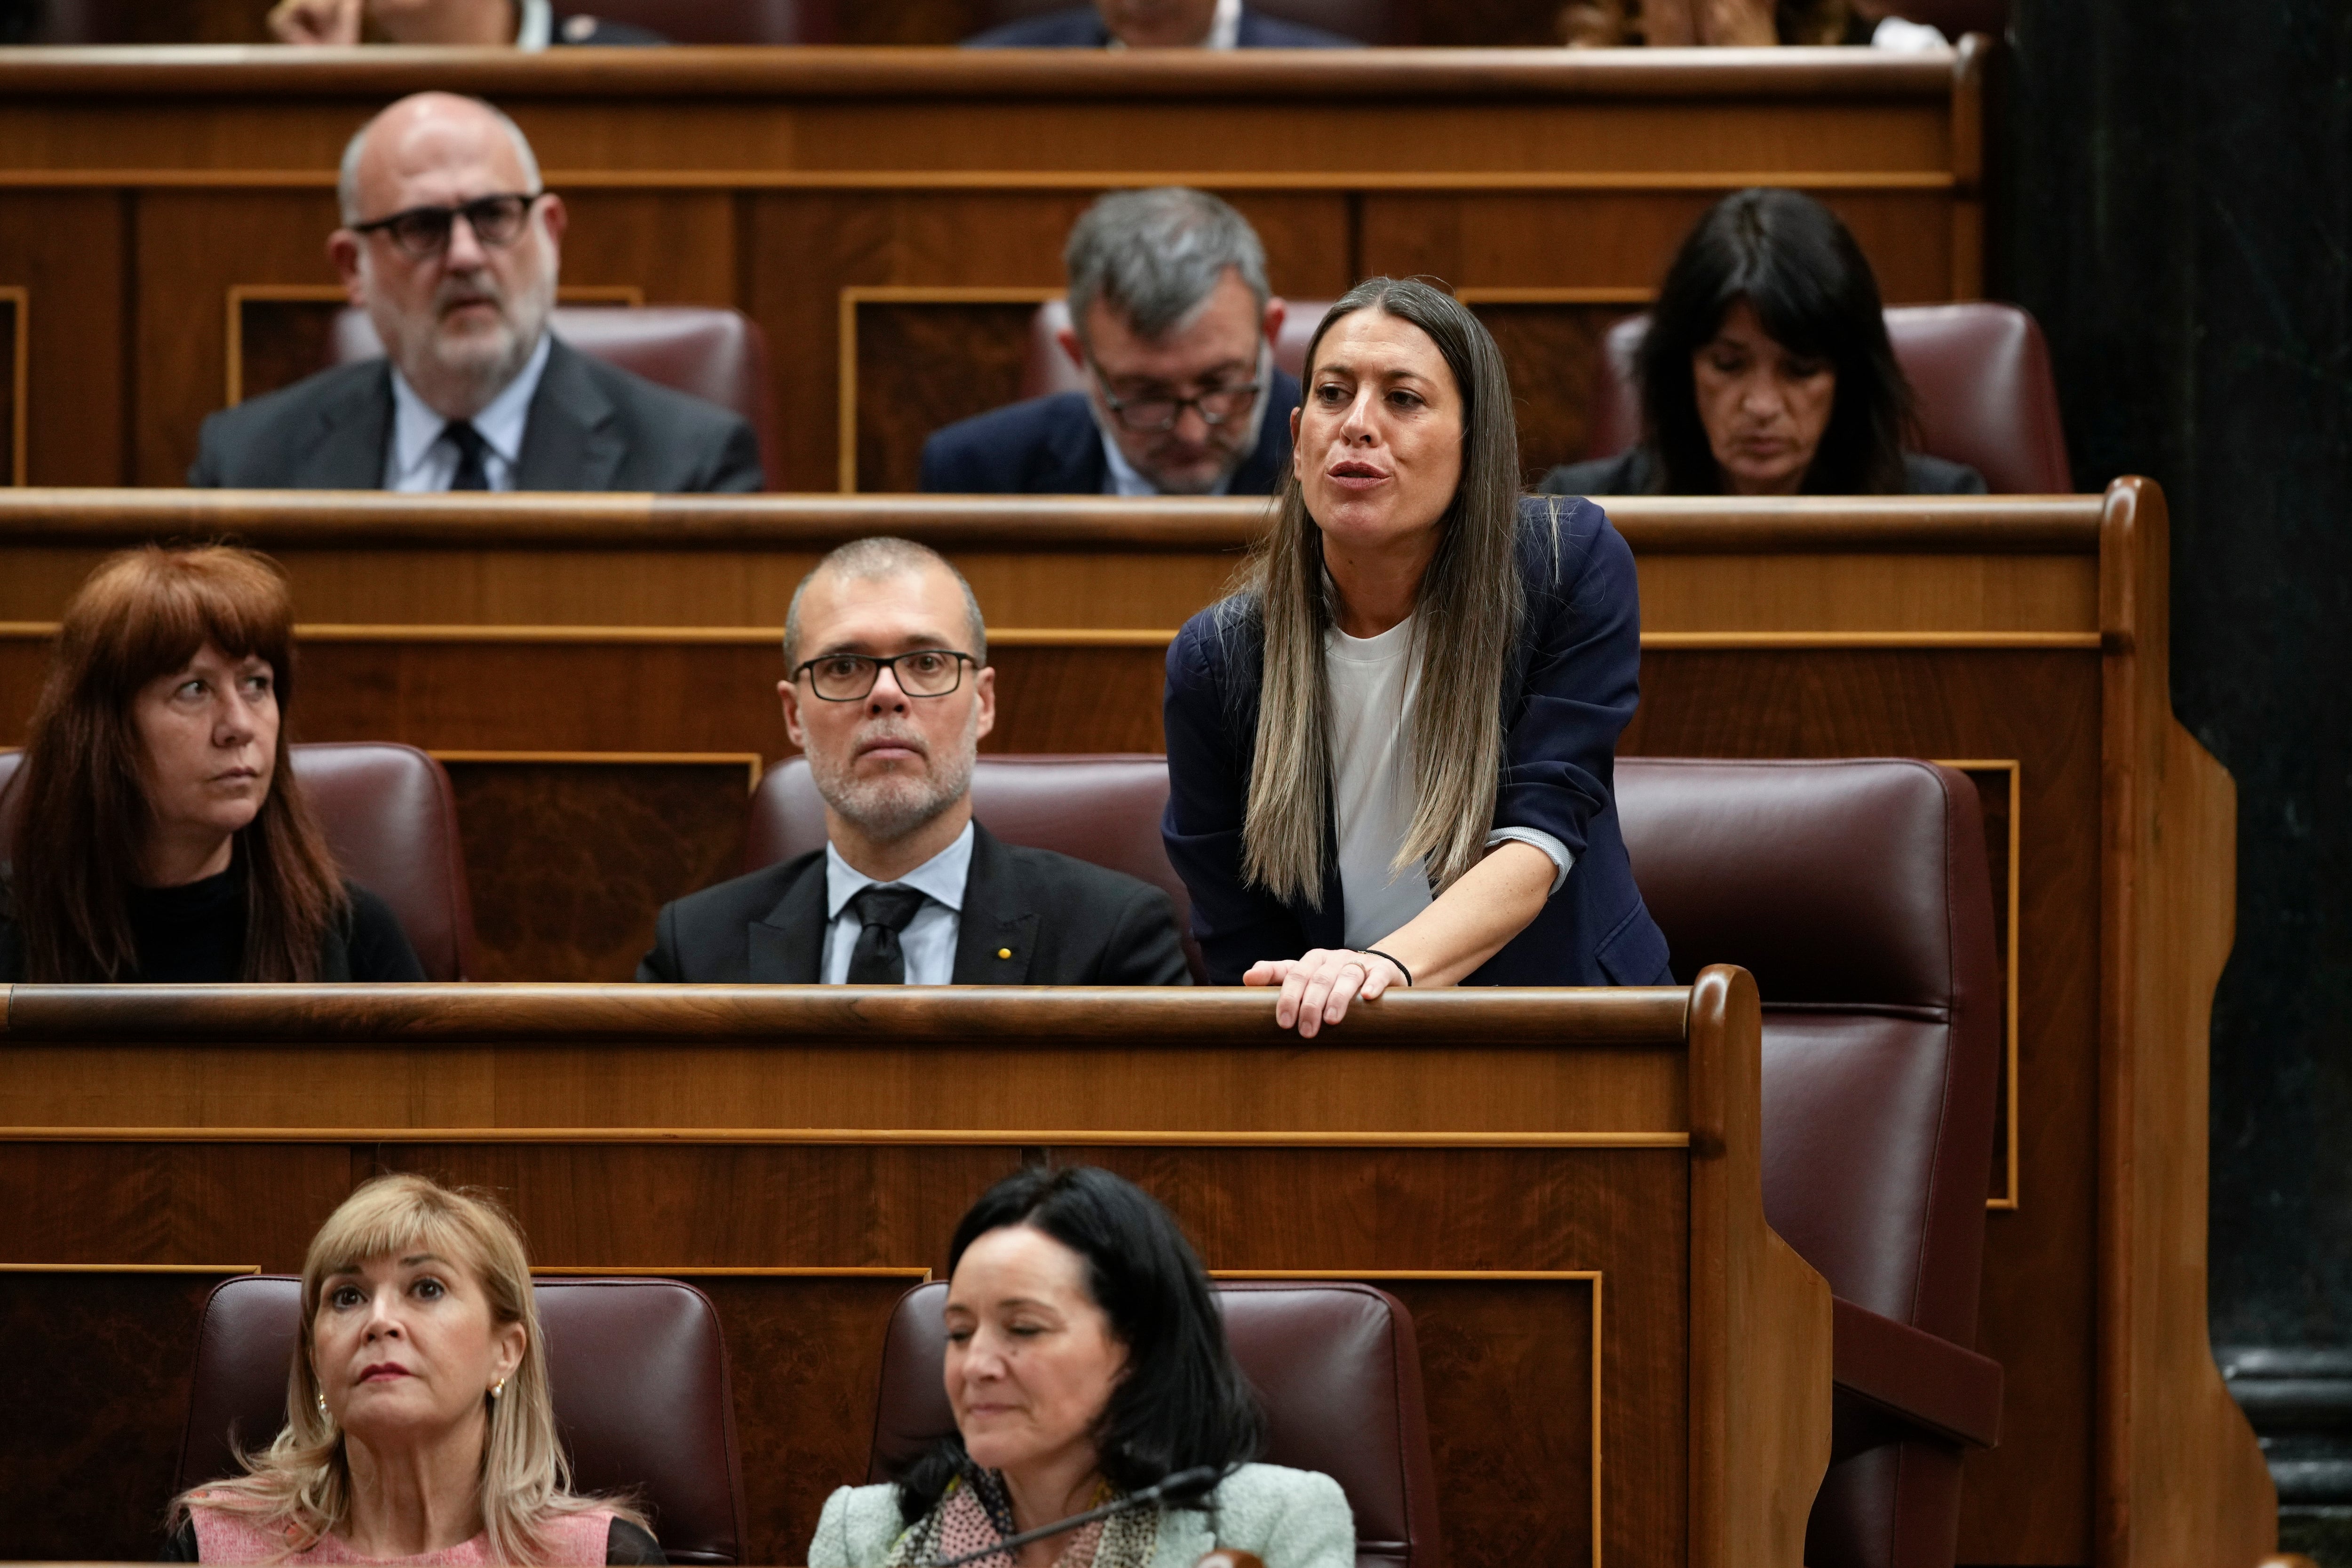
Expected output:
(976, 1512)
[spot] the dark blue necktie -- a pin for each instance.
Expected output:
(471, 473)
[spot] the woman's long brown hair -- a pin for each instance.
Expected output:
(82, 816)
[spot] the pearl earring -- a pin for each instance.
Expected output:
(321, 1397)
(497, 1388)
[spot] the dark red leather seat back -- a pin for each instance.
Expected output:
(638, 1369)
(717, 355)
(1102, 808)
(392, 822)
(1980, 372)
(1336, 1366)
(1858, 895)
(716, 21)
(1049, 370)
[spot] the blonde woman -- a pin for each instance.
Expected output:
(419, 1427)
(1391, 754)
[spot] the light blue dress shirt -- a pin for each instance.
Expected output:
(420, 461)
(928, 941)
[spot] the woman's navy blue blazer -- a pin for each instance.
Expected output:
(1570, 691)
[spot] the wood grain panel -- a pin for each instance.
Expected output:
(571, 860)
(923, 367)
(68, 251)
(1551, 350)
(96, 1384)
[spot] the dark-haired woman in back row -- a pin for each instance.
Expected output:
(1766, 370)
(155, 832)
(1085, 1360)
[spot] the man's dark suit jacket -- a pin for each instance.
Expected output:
(1064, 922)
(592, 426)
(1081, 27)
(1051, 445)
(1570, 690)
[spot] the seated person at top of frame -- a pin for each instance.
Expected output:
(889, 691)
(451, 247)
(1392, 755)
(1600, 24)
(1085, 1360)
(1173, 327)
(1157, 25)
(451, 1457)
(524, 24)
(1767, 371)
(155, 831)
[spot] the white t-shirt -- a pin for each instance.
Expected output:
(1374, 790)
(1372, 682)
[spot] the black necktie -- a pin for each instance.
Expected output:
(878, 959)
(470, 475)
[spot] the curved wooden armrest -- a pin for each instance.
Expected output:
(1917, 1376)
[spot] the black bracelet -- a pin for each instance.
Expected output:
(1376, 953)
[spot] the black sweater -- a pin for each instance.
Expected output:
(194, 935)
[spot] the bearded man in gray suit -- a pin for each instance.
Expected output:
(451, 246)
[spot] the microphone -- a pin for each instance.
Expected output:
(1183, 1486)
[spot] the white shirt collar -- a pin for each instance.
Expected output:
(538, 29)
(415, 427)
(1224, 33)
(942, 877)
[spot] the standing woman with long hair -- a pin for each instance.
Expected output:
(154, 829)
(1390, 754)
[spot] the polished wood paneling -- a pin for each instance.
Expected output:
(776, 179)
(1551, 350)
(96, 1385)
(16, 367)
(918, 366)
(569, 860)
(1557, 1278)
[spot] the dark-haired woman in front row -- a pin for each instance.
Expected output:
(157, 833)
(1766, 369)
(1391, 756)
(1085, 1360)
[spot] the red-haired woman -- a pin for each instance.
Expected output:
(157, 832)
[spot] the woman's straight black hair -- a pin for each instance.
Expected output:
(1181, 1401)
(1798, 268)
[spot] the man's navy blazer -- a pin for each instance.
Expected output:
(1081, 27)
(1030, 918)
(592, 426)
(1569, 692)
(1052, 447)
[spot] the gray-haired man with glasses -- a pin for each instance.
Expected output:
(1172, 327)
(451, 244)
(888, 692)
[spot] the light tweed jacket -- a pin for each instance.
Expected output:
(1291, 1519)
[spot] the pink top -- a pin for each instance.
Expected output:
(574, 1541)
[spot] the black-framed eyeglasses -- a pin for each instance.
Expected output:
(497, 221)
(923, 672)
(1149, 415)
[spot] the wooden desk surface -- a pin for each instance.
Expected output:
(1565, 1186)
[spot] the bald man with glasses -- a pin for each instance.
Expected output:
(887, 690)
(451, 246)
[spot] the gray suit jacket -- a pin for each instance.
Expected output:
(1030, 918)
(592, 426)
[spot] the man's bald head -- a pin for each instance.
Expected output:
(426, 128)
(460, 308)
